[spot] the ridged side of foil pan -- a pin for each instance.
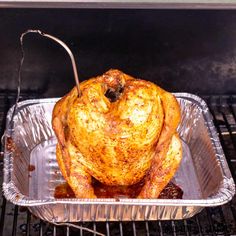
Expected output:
(204, 175)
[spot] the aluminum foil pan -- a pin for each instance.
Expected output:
(204, 175)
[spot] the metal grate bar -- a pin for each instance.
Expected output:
(94, 228)
(81, 232)
(14, 228)
(54, 230)
(41, 228)
(28, 223)
(231, 102)
(186, 227)
(199, 226)
(223, 221)
(147, 228)
(67, 230)
(210, 222)
(3, 111)
(107, 228)
(229, 129)
(2, 215)
(173, 227)
(134, 228)
(121, 228)
(160, 228)
(216, 216)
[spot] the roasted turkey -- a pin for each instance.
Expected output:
(119, 130)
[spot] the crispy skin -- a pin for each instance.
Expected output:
(119, 142)
(163, 168)
(80, 180)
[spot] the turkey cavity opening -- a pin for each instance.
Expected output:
(114, 94)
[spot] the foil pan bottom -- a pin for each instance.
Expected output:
(46, 175)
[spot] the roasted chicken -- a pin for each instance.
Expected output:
(120, 131)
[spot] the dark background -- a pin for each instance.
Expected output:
(181, 50)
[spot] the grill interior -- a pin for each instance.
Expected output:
(211, 221)
(182, 51)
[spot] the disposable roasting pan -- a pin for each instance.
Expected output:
(203, 176)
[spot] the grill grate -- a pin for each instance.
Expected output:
(16, 220)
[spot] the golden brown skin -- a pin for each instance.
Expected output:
(119, 142)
